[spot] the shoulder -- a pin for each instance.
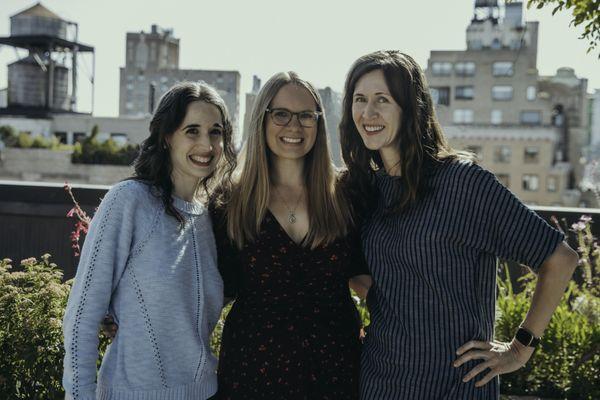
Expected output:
(462, 172)
(133, 195)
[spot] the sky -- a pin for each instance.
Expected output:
(319, 39)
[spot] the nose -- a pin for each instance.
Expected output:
(204, 140)
(294, 123)
(369, 111)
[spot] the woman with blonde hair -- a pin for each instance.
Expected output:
(287, 248)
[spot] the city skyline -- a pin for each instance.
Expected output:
(270, 38)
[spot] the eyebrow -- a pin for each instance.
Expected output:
(377, 93)
(216, 124)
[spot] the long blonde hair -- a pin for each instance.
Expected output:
(329, 215)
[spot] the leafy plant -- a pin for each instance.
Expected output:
(91, 151)
(567, 364)
(32, 305)
(585, 12)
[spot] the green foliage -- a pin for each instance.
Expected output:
(91, 151)
(567, 364)
(32, 305)
(585, 12)
(8, 135)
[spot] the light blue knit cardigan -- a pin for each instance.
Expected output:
(163, 288)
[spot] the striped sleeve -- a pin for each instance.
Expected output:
(502, 225)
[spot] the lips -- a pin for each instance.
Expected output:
(291, 140)
(201, 160)
(373, 129)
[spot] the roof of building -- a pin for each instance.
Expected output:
(37, 10)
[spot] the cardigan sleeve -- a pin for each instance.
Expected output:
(103, 259)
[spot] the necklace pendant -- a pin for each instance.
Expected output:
(292, 218)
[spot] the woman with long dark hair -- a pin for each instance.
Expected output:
(436, 223)
(286, 252)
(149, 260)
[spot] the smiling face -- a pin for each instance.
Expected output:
(196, 146)
(292, 141)
(376, 114)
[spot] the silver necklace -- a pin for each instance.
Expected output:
(291, 211)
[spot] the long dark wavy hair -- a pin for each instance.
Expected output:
(420, 140)
(153, 164)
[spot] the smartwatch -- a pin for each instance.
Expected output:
(526, 338)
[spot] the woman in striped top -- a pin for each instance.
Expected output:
(436, 224)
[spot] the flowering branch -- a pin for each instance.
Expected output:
(82, 223)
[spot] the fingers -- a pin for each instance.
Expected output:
(477, 370)
(472, 355)
(488, 377)
(473, 344)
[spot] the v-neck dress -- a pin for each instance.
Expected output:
(293, 331)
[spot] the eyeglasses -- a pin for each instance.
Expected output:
(283, 116)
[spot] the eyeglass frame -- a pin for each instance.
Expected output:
(296, 114)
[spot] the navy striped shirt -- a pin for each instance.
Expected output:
(434, 272)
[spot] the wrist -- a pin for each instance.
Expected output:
(526, 338)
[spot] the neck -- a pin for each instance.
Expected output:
(287, 172)
(391, 161)
(185, 187)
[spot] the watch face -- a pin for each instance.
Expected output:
(526, 338)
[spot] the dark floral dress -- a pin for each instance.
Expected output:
(293, 331)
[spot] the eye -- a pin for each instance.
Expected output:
(216, 132)
(359, 99)
(382, 99)
(308, 116)
(192, 131)
(281, 114)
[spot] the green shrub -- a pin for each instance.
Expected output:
(24, 140)
(8, 135)
(32, 304)
(567, 363)
(90, 151)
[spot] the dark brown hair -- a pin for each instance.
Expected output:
(420, 140)
(153, 163)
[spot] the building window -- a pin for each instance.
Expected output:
(496, 44)
(504, 179)
(496, 117)
(475, 44)
(464, 93)
(129, 105)
(502, 68)
(531, 155)
(440, 68)
(531, 117)
(476, 150)
(531, 93)
(466, 68)
(61, 136)
(530, 182)
(552, 183)
(502, 154)
(503, 93)
(463, 116)
(440, 95)
(78, 137)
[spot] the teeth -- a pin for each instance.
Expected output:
(201, 159)
(373, 128)
(291, 140)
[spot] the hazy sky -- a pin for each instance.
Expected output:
(317, 38)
